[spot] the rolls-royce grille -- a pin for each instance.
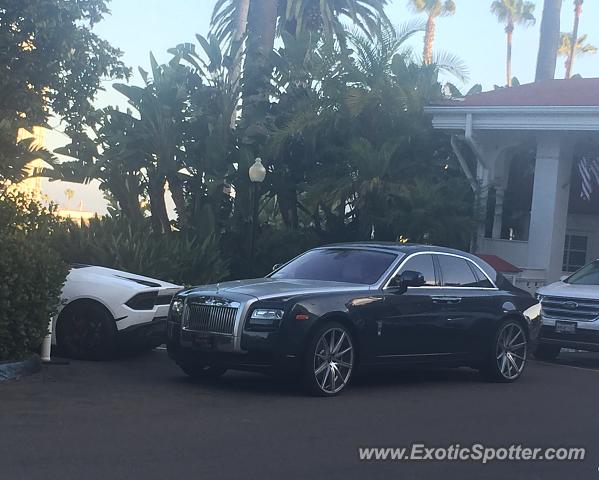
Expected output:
(209, 318)
(575, 309)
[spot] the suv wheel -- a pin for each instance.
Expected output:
(329, 361)
(507, 357)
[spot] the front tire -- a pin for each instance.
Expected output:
(506, 359)
(87, 331)
(329, 361)
(547, 352)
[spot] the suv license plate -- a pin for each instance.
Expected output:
(204, 341)
(565, 327)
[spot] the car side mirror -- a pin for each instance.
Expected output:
(406, 279)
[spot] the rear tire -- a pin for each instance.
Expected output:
(199, 372)
(507, 354)
(547, 352)
(87, 331)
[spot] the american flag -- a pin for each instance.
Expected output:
(589, 171)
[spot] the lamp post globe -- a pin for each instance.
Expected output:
(257, 175)
(257, 171)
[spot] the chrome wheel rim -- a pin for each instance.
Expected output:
(511, 351)
(333, 360)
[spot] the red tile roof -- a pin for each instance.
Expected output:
(558, 93)
(499, 264)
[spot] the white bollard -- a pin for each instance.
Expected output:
(47, 344)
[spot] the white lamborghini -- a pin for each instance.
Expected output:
(102, 310)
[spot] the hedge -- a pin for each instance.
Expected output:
(32, 274)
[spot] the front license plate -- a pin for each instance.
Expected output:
(565, 327)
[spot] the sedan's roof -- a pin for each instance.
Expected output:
(394, 247)
(409, 248)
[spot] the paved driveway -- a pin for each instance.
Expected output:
(141, 418)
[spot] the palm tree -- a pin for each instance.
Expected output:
(567, 49)
(512, 13)
(229, 25)
(434, 9)
(549, 41)
(298, 16)
(326, 16)
(574, 37)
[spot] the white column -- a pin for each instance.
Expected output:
(550, 197)
(483, 177)
(498, 218)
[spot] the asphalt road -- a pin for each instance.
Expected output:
(140, 418)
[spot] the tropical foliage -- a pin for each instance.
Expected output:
(52, 62)
(32, 273)
(349, 151)
(116, 242)
(566, 50)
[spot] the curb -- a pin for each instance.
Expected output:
(16, 370)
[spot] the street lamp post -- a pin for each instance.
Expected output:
(257, 174)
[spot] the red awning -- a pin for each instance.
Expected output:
(499, 264)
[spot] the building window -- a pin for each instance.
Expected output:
(575, 253)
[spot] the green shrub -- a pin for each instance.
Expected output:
(115, 242)
(32, 274)
(273, 245)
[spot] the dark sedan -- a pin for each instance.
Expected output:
(338, 308)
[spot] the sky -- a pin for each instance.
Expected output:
(140, 26)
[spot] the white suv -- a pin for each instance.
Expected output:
(570, 312)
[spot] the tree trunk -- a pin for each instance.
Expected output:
(241, 19)
(288, 207)
(429, 40)
(508, 64)
(549, 42)
(574, 38)
(261, 28)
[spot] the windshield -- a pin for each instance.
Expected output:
(338, 265)
(587, 275)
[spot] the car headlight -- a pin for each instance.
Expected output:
(266, 317)
(177, 307)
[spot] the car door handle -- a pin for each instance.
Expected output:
(451, 300)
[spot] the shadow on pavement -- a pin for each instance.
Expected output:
(256, 383)
(578, 359)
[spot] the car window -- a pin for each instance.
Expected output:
(483, 281)
(587, 275)
(456, 272)
(338, 265)
(424, 265)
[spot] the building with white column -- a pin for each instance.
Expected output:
(521, 149)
